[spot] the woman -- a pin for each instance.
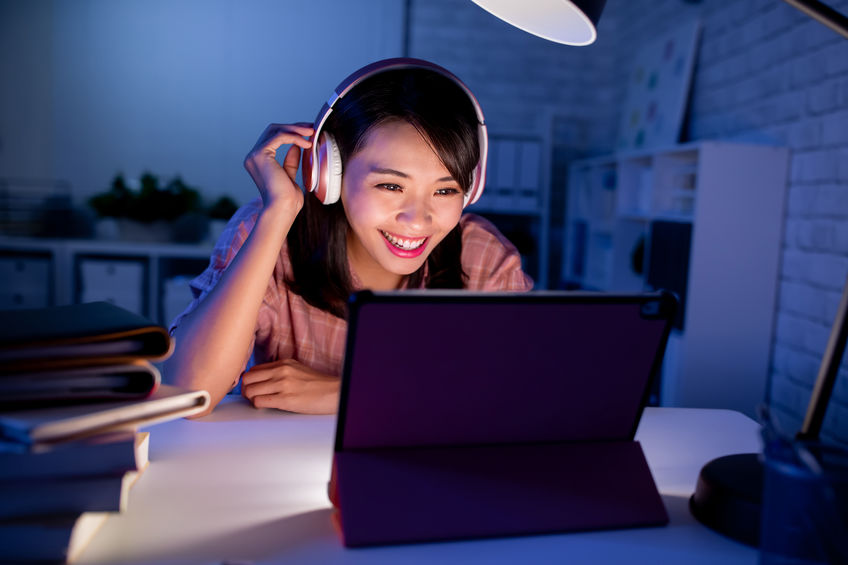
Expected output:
(406, 145)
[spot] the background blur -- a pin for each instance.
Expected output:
(92, 89)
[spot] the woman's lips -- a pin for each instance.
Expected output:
(406, 247)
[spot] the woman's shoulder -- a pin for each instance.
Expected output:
(489, 259)
(477, 227)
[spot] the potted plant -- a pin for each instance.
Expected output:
(149, 213)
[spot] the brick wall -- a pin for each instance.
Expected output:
(525, 84)
(765, 73)
(768, 73)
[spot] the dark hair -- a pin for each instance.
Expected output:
(442, 112)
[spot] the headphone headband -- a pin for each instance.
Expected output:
(317, 175)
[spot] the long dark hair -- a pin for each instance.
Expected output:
(442, 112)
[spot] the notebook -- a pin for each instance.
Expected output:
(468, 415)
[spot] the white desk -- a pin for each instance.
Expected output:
(249, 486)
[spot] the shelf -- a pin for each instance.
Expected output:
(148, 279)
(518, 186)
(705, 221)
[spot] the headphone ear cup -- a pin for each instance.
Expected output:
(325, 175)
(333, 169)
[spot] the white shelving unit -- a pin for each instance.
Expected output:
(149, 279)
(518, 185)
(704, 220)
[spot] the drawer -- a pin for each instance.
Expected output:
(10, 300)
(108, 275)
(24, 273)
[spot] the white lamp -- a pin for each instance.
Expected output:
(570, 22)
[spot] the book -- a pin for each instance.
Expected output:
(78, 353)
(97, 381)
(48, 539)
(74, 334)
(53, 496)
(62, 423)
(107, 453)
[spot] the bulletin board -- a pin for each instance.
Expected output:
(658, 89)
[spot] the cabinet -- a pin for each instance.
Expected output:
(704, 220)
(151, 280)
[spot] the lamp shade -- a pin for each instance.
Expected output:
(570, 22)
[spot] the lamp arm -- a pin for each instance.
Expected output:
(827, 372)
(823, 13)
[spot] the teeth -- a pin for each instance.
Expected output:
(407, 244)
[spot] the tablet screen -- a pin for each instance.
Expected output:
(460, 368)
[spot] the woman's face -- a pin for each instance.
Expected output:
(400, 201)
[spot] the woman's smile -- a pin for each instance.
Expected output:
(406, 244)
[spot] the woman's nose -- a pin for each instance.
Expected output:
(415, 213)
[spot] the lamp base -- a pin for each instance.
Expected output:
(728, 497)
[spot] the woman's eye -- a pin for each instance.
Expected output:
(389, 186)
(447, 191)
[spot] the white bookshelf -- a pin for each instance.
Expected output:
(149, 279)
(518, 186)
(727, 201)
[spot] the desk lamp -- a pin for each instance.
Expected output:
(728, 496)
(570, 22)
(729, 492)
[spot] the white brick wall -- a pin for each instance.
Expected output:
(765, 73)
(514, 75)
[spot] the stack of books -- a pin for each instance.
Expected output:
(77, 384)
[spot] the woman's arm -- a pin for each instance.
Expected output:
(213, 340)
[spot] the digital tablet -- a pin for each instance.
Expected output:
(459, 368)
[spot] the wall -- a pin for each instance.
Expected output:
(525, 84)
(765, 73)
(91, 88)
(768, 73)
(26, 70)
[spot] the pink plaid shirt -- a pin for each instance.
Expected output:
(289, 328)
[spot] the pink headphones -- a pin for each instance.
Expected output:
(325, 179)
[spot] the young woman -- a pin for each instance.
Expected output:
(398, 154)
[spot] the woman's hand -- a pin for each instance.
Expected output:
(276, 183)
(292, 386)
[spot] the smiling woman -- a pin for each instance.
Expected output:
(394, 160)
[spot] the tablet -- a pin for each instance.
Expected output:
(460, 368)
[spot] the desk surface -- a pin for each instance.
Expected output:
(249, 486)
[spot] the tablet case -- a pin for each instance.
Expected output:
(466, 415)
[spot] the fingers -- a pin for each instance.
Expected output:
(273, 385)
(292, 386)
(263, 371)
(277, 183)
(292, 161)
(321, 400)
(267, 378)
(277, 135)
